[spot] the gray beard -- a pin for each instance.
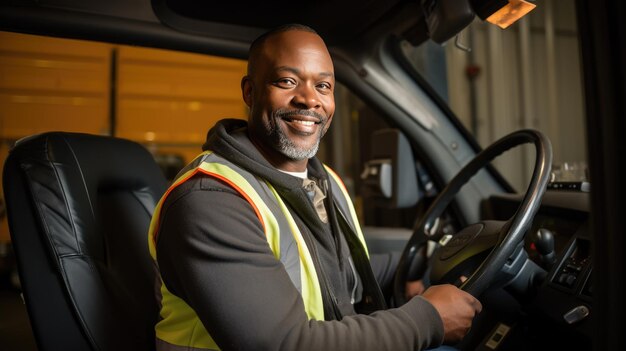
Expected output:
(286, 147)
(289, 149)
(283, 144)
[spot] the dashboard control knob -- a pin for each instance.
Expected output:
(576, 314)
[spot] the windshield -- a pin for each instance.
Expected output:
(527, 76)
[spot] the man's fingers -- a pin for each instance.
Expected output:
(414, 288)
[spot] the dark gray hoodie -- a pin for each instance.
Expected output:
(213, 254)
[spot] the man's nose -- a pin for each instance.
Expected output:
(306, 97)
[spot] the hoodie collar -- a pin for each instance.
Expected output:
(229, 138)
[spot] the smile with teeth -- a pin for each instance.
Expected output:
(302, 122)
(302, 127)
(306, 123)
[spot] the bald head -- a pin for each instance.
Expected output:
(256, 47)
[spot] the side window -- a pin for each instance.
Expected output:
(162, 99)
(527, 76)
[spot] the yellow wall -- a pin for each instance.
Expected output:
(38, 79)
(164, 99)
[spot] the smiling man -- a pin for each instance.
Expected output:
(290, 95)
(257, 244)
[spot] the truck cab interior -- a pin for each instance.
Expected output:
(520, 194)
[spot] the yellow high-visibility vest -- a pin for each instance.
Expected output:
(179, 326)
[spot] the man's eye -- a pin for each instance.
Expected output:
(324, 86)
(285, 82)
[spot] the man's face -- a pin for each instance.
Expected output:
(290, 95)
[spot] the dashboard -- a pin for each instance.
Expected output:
(558, 310)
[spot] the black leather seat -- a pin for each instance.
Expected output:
(79, 208)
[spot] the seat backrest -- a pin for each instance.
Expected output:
(79, 208)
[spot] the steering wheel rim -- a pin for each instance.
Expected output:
(482, 277)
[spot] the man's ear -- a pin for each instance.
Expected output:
(246, 90)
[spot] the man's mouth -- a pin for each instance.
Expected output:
(305, 117)
(303, 122)
(303, 127)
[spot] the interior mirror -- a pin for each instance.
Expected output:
(390, 174)
(377, 175)
(446, 18)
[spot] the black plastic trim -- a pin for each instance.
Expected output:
(80, 25)
(393, 44)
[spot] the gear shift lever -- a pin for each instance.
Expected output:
(544, 242)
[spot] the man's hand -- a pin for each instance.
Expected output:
(414, 288)
(456, 307)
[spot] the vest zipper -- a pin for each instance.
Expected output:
(332, 221)
(329, 297)
(370, 284)
(355, 285)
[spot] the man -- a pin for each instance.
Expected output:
(257, 243)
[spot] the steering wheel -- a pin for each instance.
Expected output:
(473, 242)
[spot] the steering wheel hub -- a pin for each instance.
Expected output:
(460, 241)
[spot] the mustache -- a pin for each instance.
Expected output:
(284, 113)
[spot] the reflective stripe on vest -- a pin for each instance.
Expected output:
(179, 324)
(346, 206)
